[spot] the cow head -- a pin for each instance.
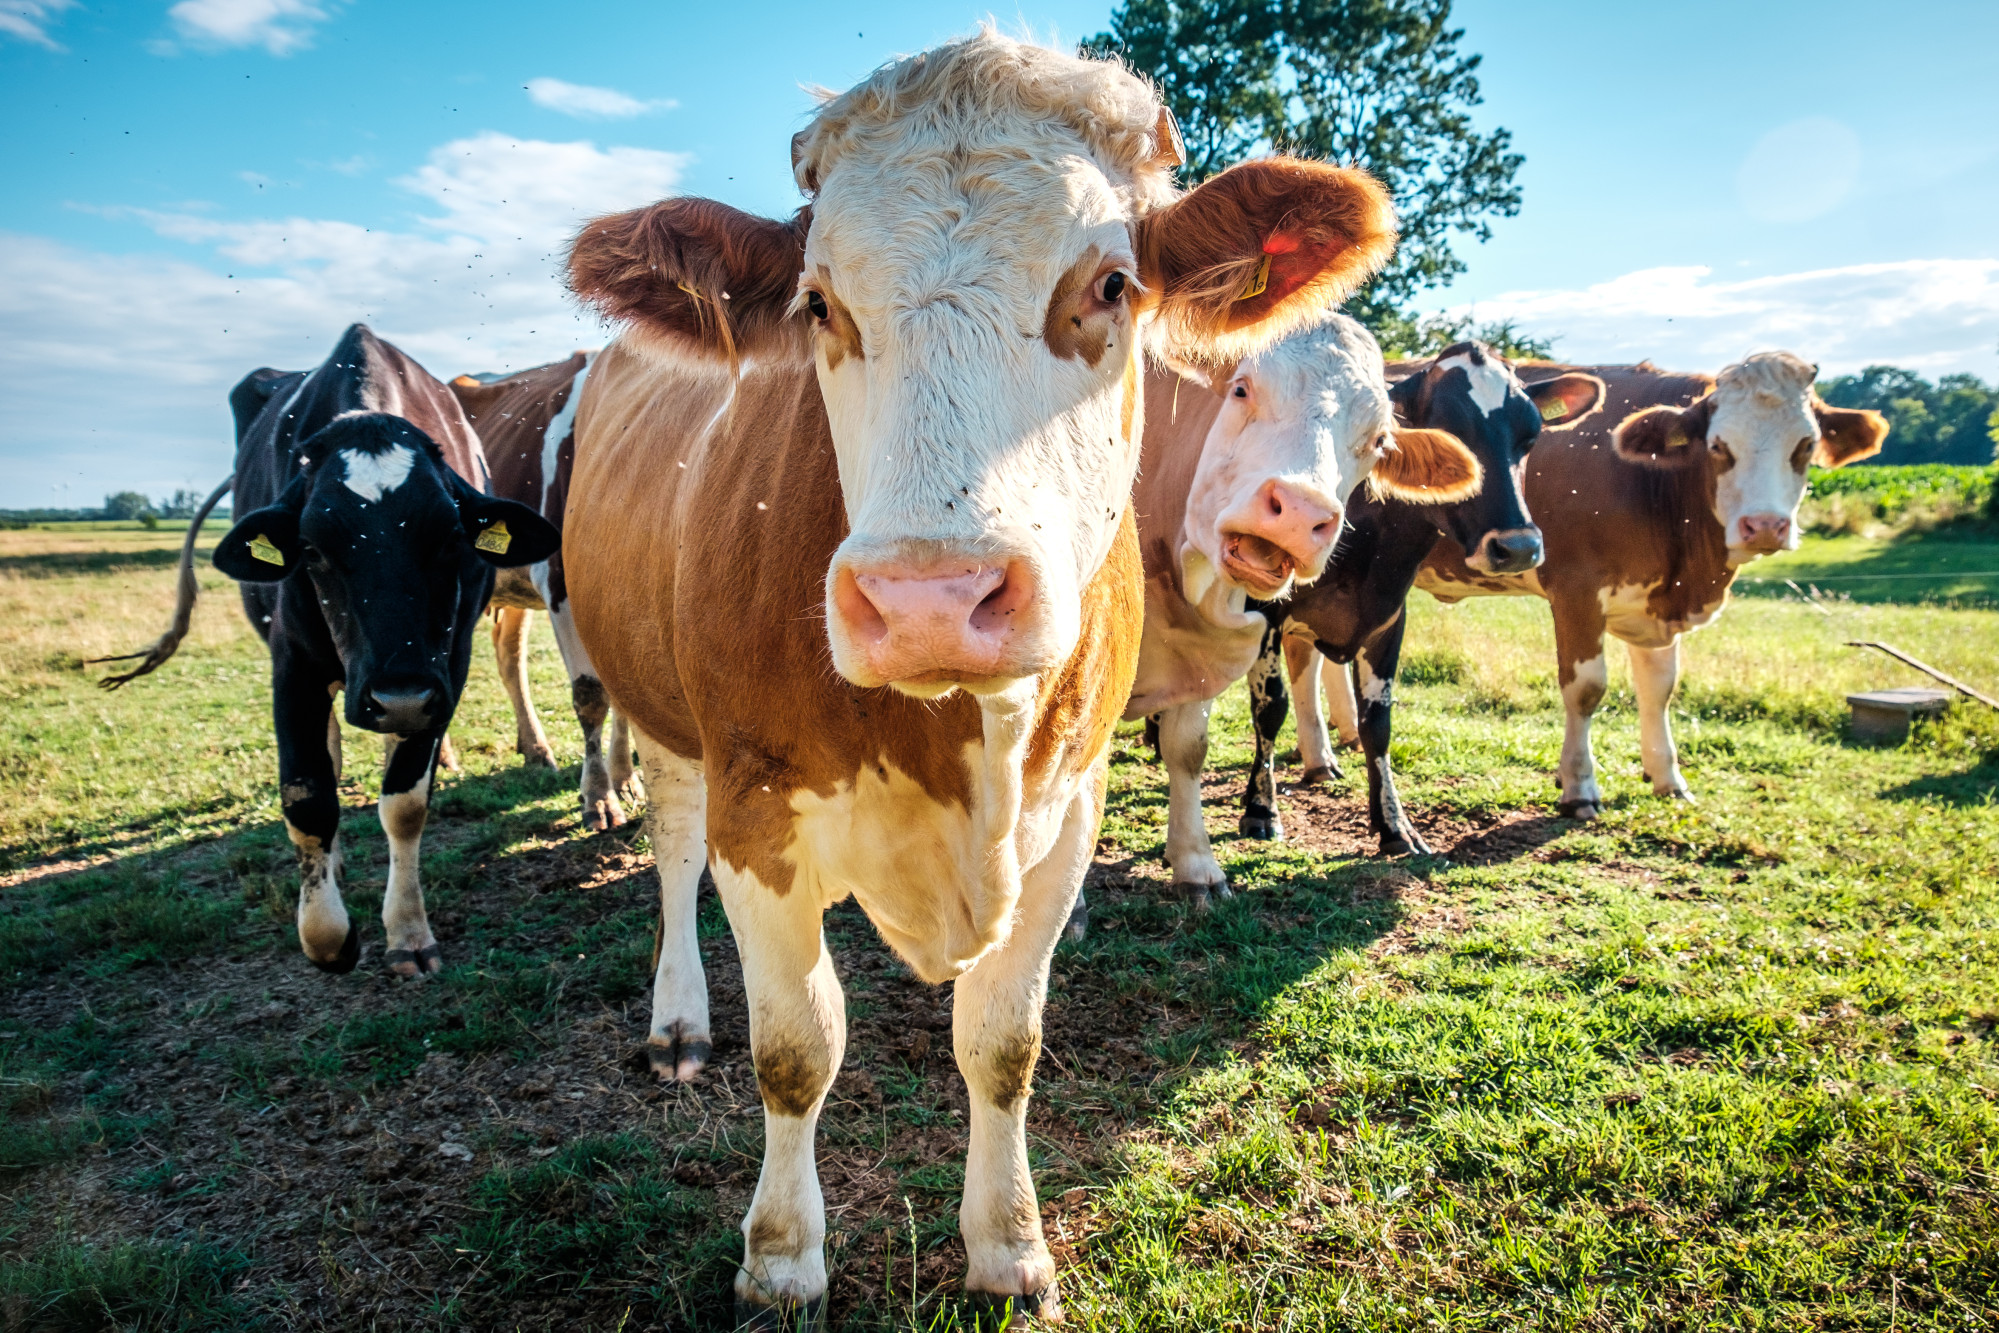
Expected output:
(395, 544)
(993, 234)
(1302, 422)
(1755, 433)
(1471, 392)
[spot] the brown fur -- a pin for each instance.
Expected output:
(511, 416)
(1665, 436)
(789, 1078)
(1426, 467)
(1847, 435)
(1078, 323)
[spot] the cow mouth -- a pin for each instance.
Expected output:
(1261, 567)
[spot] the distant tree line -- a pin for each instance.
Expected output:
(1955, 420)
(124, 505)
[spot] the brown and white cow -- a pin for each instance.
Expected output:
(1648, 512)
(849, 538)
(527, 422)
(1241, 494)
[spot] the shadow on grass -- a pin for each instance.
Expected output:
(68, 564)
(1956, 565)
(1974, 787)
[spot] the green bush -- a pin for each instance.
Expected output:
(1886, 501)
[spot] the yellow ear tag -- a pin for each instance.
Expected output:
(1554, 410)
(1259, 282)
(262, 549)
(495, 538)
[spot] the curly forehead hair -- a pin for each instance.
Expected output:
(957, 92)
(1776, 375)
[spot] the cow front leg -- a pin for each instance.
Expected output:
(308, 736)
(408, 764)
(996, 1034)
(1374, 671)
(1183, 746)
(1267, 708)
(511, 625)
(1304, 664)
(1584, 676)
(1654, 673)
(625, 782)
(676, 823)
(798, 1035)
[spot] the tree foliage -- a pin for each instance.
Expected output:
(1379, 84)
(1955, 420)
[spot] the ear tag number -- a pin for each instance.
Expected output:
(1554, 410)
(495, 538)
(262, 549)
(1259, 282)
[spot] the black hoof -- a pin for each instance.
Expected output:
(678, 1061)
(1577, 809)
(344, 961)
(1200, 896)
(752, 1317)
(1079, 922)
(1269, 828)
(1320, 777)
(423, 962)
(1409, 844)
(991, 1311)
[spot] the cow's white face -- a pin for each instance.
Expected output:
(1761, 434)
(978, 350)
(1301, 424)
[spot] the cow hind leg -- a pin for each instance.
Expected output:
(511, 625)
(601, 808)
(1304, 664)
(625, 782)
(798, 1036)
(1654, 673)
(1183, 745)
(1374, 671)
(676, 824)
(996, 1033)
(411, 949)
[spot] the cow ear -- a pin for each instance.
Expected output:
(1406, 396)
(1254, 253)
(1426, 467)
(1665, 436)
(263, 547)
(1847, 435)
(694, 274)
(505, 533)
(1566, 399)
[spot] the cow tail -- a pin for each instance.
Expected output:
(160, 649)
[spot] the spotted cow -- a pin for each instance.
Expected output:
(850, 540)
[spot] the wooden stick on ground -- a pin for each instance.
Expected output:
(1926, 669)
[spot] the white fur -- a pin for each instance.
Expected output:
(1579, 700)
(558, 430)
(1762, 413)
(403, 918)
(1490, 382)
(373, 475)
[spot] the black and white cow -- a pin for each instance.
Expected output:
(366, 550)
(1354, 611)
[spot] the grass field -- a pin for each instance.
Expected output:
(1728, 1065)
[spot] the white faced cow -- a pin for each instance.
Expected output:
(849, 538)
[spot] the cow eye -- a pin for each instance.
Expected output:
(1112, 288)
(1242, 391)
(817, 305)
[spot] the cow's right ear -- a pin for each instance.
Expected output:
(1429, 467)
(263, 547)
(1406, 397)
(1665, 436)
(697, 275)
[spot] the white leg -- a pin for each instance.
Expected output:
(511, 626)
(600, 801)
(624, 779)
(1183, 745)
(798, 1036)
(996, 1033)
(677, 827)
(1581, 796)
(411, 950)
(1302, 663)
(1342, 710)
(1654, 673)
(323, 925)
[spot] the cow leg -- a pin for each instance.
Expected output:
(601, 809)
(1304, 664)
(676, 823)
(798, 1035)
(510, 646)
(624, 777)
(1584, 676)
(1267, 707)
(1375, 668)
(1183, 745)
(1654, 673)
(308, 735)
(407, 765)
(996, 1034)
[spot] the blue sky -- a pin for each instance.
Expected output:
(198, 188)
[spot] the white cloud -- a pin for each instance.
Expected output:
(279, 26)
(585, 102)
(119, 367)
(30, 20)
(1932, 315)
(1799, 171)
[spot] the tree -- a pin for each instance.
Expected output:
(1955, 420)
(126, 504)
(1374, 83)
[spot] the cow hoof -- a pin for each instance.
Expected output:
(1078, 925)
(414, 962)
(1407, 843)
(1269, 828)
(343, 962)
(989, 1310)
(789, 1317)
(603, 814)
(1201, 896)
(677, 1061)
(1577, 810)
(542, 757)
(1323, 776)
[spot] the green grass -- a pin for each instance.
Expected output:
(1882, 501)
(66, 1287)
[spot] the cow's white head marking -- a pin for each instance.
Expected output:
(373, 475)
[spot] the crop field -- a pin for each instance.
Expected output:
(1721, 1065)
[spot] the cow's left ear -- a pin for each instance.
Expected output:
(1427, 467)
(1566, 399)
(504, 532)
(1665, 436)
(1249, 256)
(263, 547)
(1847, 435)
